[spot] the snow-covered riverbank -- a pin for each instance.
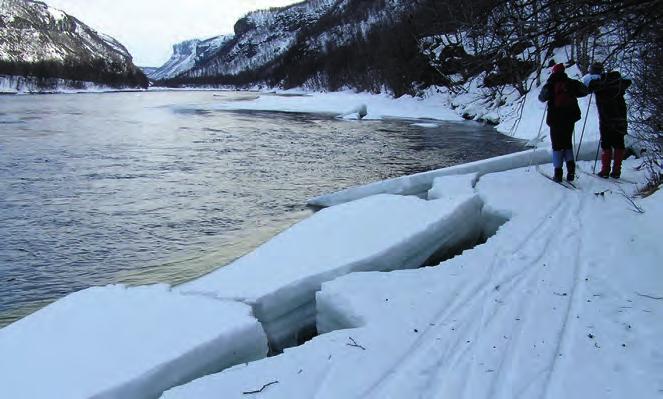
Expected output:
(30, 85)
(563, 301)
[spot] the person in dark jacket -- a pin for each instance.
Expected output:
(610, 89)
(561, 93)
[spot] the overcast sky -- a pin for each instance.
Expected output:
(149, 28)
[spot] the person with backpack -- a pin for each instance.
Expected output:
(561, 93)
(610, 89)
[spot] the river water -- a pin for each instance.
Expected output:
(162, 187)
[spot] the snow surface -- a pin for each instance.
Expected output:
(383, 232)
(118, 342)
(563, 302)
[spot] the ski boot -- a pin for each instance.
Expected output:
(617, 164)
(606, 157)
(559, 175)
(570, 171)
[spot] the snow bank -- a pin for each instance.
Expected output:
(564, 302)
(118, 342)
(420, 183)
(340, 103)
(385, 232)
(22, 85)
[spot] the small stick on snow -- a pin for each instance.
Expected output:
(355, 344)
(635, 207)
(650, 297)
(261, 389)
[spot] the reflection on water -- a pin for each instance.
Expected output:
(161, 187)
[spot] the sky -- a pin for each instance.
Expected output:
(149, 28)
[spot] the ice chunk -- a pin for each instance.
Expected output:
(118, 342)
(421, 182)
(426, 125)
(453, 186)
(383, 232)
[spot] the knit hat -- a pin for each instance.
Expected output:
(558, 68)
(596, 68)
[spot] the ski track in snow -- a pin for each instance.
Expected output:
(433, 363)
(467, 302)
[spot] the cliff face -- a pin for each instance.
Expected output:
(186, 55)
(40, 41)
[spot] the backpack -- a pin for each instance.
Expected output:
(562, 96)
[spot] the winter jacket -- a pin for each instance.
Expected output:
(568, 113)
(609, 89)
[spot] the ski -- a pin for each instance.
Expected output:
(609, 179)
(566, 184)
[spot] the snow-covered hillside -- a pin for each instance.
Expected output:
(183, 59)
(41, 41)
(263, 39)
(32, 31)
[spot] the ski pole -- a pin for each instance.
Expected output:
(538, 137)
(584, 125)
(596, 160)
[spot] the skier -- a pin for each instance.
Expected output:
(561, 93)
(609, 89)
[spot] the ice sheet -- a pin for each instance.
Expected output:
(124, 343)
(383, 232)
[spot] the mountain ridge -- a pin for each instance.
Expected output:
(40, 41)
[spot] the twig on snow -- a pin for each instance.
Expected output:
(354, 344)
(261, 389)
(650, 296)
(636, 207)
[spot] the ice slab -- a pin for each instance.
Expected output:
(426, 125)
(559, 304)
(452, 186)
(124, 343)
(384, 232)
(422, 182)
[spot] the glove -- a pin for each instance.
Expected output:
(587, 79)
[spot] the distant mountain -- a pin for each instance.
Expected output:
(188, 54)
(39, 41)
(148, 70)
(319, 44)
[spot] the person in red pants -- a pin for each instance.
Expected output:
(610, 89)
